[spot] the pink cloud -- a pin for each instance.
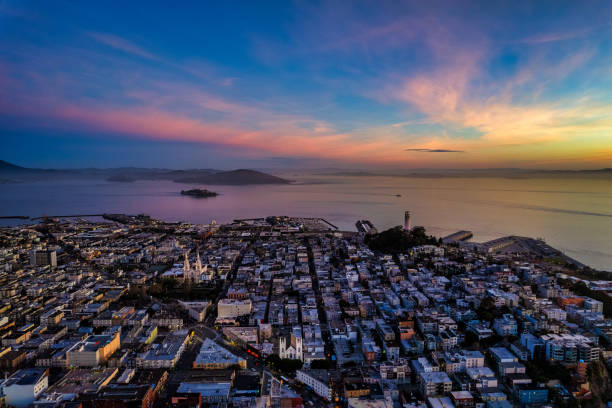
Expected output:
(279, 137)
(448, 95)
(183, 111)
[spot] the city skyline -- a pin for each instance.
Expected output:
(334, 204)
(303, 85)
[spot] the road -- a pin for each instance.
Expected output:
(206, 329)
(329, 345)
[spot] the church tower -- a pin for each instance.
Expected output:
(186, 266)
(188, 273)
(299, 354)
(198, 263)
(282, 347)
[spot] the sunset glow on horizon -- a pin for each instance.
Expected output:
(332, 84)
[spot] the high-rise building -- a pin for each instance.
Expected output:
(43, 258)
(407, 221)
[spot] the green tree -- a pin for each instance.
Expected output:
(487, 310)
(320, 364)
(397, 240)
(285, 365)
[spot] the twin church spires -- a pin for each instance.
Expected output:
(194, 274)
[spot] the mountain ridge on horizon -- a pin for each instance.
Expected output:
(129, 174)
(4, 165)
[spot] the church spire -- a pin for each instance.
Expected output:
(186, 266)
(198, 262)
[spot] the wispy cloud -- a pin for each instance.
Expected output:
(454, 94)
(346, 83)
(123, 45)
(557, 36)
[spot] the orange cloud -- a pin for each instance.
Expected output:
(447, 96)
(281, 136)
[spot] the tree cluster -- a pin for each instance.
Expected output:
(285, 365)
(398, 240)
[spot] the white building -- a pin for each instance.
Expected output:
(482, 377)
(232, 308)
(318, 380)
(593, 305)
(194, 274)
(435, 383)
(24, 386)
(214, 357)
(93, 351)
(570, 347)
(473, 358)
(196, 310)
(555, 314)
(166, 354)
(291, 346)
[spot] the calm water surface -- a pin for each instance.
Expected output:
(573, 215)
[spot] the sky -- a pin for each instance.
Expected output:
(307, 84)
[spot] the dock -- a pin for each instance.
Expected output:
(457, 237)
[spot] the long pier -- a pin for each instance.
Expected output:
(457, 237)
(328, 223)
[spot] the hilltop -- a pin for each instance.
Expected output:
(4, 165)
(128, 174)
(234, 177)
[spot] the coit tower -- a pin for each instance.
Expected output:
(407, 221)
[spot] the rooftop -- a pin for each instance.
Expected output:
(212, 353)
(26, 376)
(206, 389)
(435, 377)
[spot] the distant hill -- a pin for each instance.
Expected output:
(4, 165)
(234, 177)
(606, 170)
(120, 178)
(129, 174)
(511, 173)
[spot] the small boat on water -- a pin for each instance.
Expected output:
(199, 193)
(398, 195)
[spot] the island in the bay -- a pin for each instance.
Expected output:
(199, 193)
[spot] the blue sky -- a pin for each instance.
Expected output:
(307, 84)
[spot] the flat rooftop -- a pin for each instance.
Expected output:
(206, 389)
(435, 377)
(212, 353)
(26, 376)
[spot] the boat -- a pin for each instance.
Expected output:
(199, 193)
